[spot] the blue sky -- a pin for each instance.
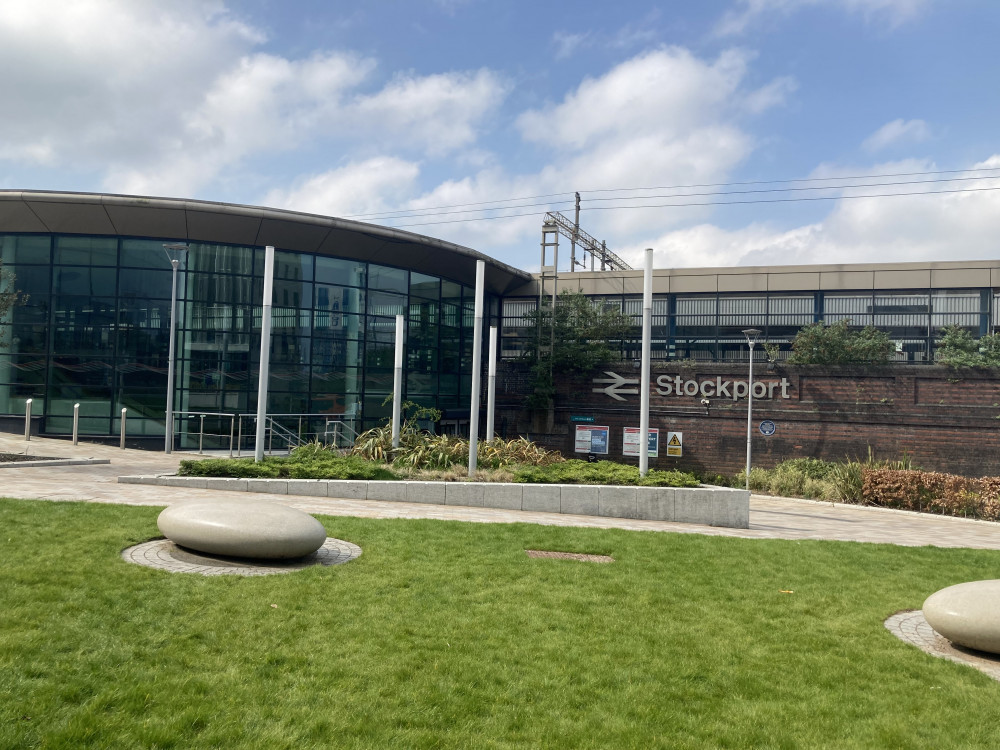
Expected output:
(364, 109)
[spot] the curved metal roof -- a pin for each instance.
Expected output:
(207, 221)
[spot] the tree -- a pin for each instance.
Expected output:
(837, 344)
(957, 349)
(585, 334)
(9, 297)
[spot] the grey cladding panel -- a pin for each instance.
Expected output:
(73, 218)
(148, 221)
(292, 235)
(15, 216)
(219, 227)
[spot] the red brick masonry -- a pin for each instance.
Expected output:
(946, 420)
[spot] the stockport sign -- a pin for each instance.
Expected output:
(618, 387)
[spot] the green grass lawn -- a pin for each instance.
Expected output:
(447, 635)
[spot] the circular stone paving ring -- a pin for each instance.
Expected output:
(163, 554)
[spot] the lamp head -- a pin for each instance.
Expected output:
(752, 335)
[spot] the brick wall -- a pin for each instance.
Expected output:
(946, 421)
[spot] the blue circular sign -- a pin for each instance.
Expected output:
(767, 427)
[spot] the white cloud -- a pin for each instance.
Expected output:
(440, 113)
(951, 226)
(364, 187)
(666, 91)
(567, 44)
(897, 132)
(169, 98)
(747, 13)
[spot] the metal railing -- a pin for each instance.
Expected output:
(236, 432)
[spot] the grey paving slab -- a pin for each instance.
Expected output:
(770, 517)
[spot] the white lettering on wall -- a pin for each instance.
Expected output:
(675, 385)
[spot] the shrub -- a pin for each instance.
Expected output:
(308, 464)
(575, 471)
(932, 492)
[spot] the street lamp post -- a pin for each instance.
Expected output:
(168, 426)
(752, 334)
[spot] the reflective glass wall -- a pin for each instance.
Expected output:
(94, 330)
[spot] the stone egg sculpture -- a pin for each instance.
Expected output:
(234, 528)
(967, 614)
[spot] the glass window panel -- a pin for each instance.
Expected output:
(145, 283)
(27, 368)
(221, 288)
(387, 279)
(220, 259)
(514, 311)
(743, 306)
(22, 249)
(335, 380)
(284, 378)
(286, 348)
(337, 324)
(695, 306)
(339, 271)
(380, 303)
(293, 265)
(425, 287)
(85, 281)
(956, 302)
(801, 306)
(24, 339)
(87, 251)
(331, 352)
(30, 280)
(285, 293)
(149, 254)
(336, 299)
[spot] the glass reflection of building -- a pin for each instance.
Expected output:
(94, 330)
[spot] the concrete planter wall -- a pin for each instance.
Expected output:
(710, 506)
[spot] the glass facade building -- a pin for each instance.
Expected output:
(94, 329)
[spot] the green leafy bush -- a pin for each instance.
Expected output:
(837, 344)
(303, 463)
(576, 471)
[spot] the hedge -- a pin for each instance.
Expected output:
(932, 492)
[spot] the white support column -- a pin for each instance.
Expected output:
(491, 385)
(397, 383)
(477, 363)
(647, 336)
(265, 351)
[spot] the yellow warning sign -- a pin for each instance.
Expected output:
(675, 442)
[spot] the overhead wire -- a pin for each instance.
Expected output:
(796, 199)
(495, 205)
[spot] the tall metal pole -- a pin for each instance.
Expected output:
(491, 385)
(168, 426)
(397, 383)
(647, 336)
(477, 359)
(751, 334)
(576, 234)
(265, 351)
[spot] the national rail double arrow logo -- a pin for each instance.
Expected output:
(617, 381)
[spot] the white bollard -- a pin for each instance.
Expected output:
(27, 419)
(76, 423)
(121, 443)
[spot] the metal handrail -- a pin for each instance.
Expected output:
(275, 425)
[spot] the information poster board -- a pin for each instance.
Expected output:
(630, 442)
(591, 439)
(675, 444)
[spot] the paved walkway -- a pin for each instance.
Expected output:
(770, 518)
